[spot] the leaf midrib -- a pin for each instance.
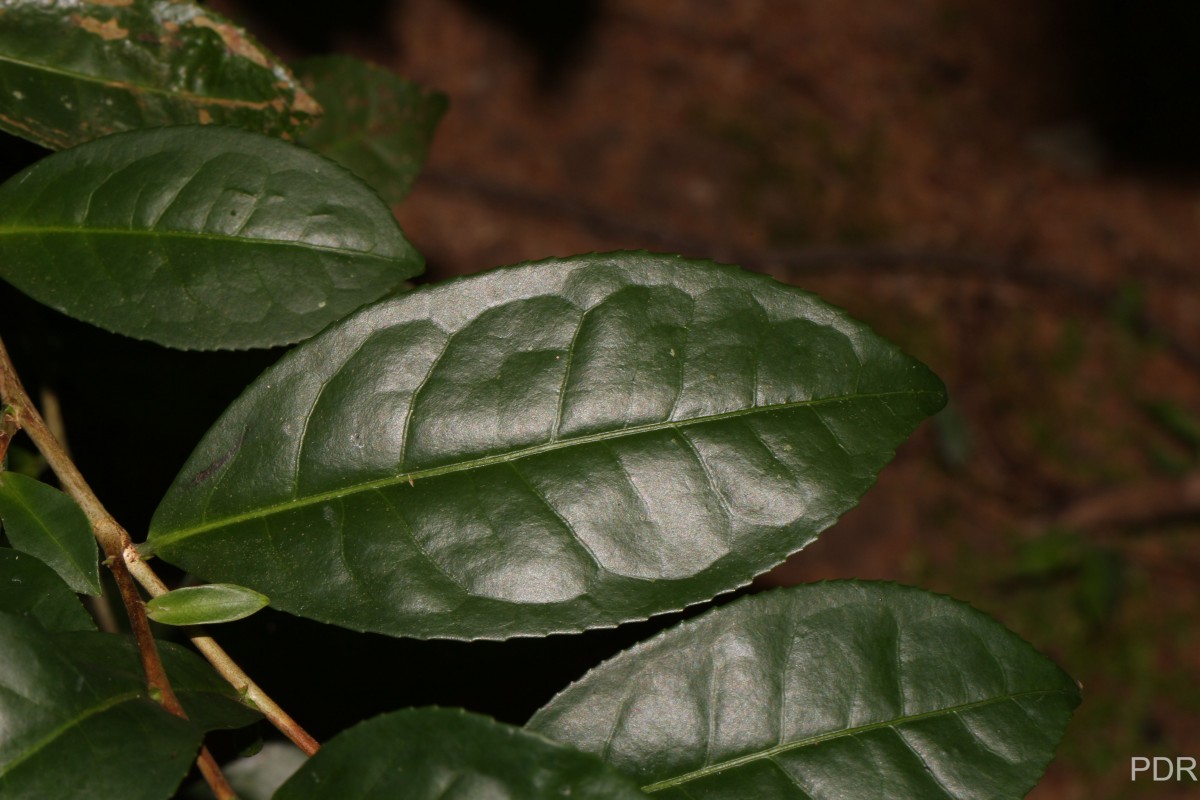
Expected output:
(785, 747)
(149, 232)
(134, 88)
(159, 540)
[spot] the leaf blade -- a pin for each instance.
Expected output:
(211, 604)
(199, 237)
(76, 714)
(842, 689)
(433, 753)
(47, 524)
(544, 448)
(29, 587)
(75, 72)
(376, 124)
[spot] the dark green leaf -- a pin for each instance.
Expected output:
(431, 754)
(209, 701)
(376, 124)
(42, 521)
(29, 587)
(72, 72)
(550, 447)
(199, 237)
(822, 692)
(75, 719)
(205, 605)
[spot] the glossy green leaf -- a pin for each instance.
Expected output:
(549, 447)
(376, 124)
(42, 521)
(436, 754)
(74, 713)
(210, 702)
(199, 237)
(71, 72)
(29, 587)
(821, 692)
(205, 605)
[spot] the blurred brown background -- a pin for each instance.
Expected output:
(1010, 190)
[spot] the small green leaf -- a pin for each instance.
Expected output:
(834, 690)
(73, 72)
(430, 754)
(376, 124)
(199, 237)
(544, 448)
(45, 523)
(76, 716)
(29, 587)
(205, 605)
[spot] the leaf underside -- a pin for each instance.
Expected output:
(835, 690)
(376, 124)
(544, 448)
(199, 237)
(76, 714)
(73, 72)
(437, 754)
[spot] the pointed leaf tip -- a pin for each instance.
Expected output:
(49, 525)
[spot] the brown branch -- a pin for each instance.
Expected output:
(108, 529)
(229, 669)
(115, 542)
(8, 429)
(211, 770)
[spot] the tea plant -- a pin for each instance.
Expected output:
(543, 448)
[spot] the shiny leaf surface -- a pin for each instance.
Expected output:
(71, 72)
(199, 237)
(30, 588)
(42, 521)
(209, 701)
(75, 713)
(205, 605)
(549, 447)
(821, 692)
(436, 754)
(376, 124)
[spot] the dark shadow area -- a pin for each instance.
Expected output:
(555, 32)
(335, 678)
(313, 27)
(16, 154)
(1139, 69)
